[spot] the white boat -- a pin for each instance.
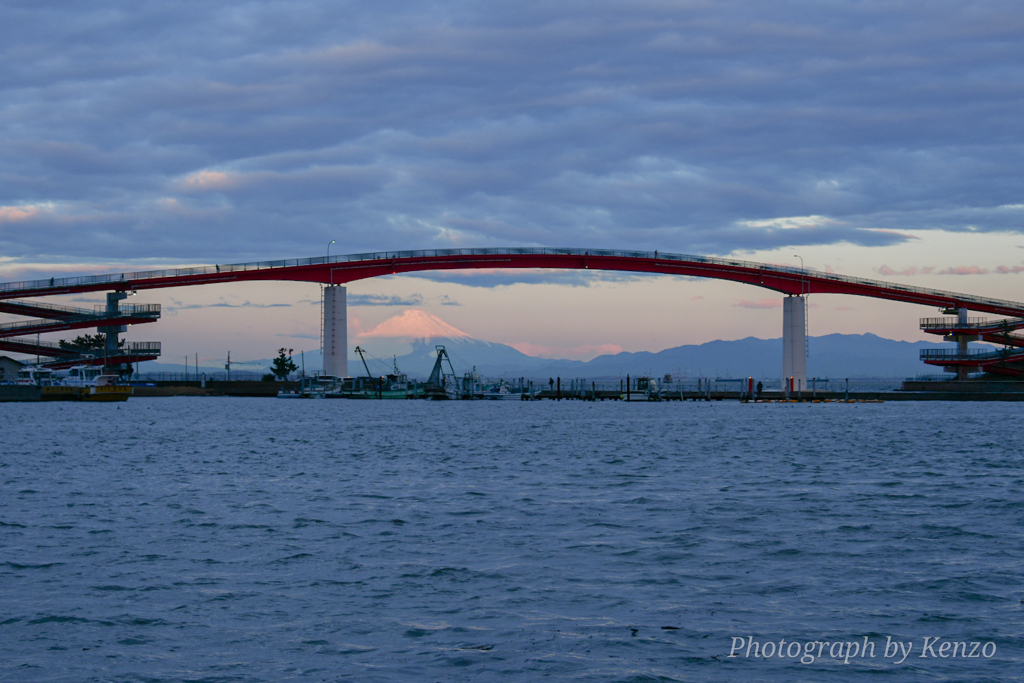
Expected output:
(311, 387)
(77, 383)
(79, 376)
(646, 390)
(36, 376)
(502, 392)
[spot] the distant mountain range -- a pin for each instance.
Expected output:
(409, 340)
(832, 356)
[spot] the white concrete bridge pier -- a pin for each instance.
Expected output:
(335, 331)
(794, 342)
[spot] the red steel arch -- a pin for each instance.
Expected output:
(348, 268)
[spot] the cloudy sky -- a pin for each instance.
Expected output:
(879, 139)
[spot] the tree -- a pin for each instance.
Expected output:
(283, 365)
(87, 342)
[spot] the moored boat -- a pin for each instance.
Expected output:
(104, 388)
(502, 392)
(312, 387)
(646, 389)
(78, 383)
(391, 386)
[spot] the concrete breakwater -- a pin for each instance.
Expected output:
(911, 391)
(11, 393)
(211, 388)
(928, 391)
(803, 397)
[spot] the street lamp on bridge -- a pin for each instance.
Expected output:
(801, 274)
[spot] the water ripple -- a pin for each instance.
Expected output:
(208, 539)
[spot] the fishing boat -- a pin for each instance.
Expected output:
(441, 385)
(472, 386)
(394, 385)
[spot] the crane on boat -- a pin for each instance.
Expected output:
(439, 382)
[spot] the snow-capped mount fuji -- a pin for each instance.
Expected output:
(410, 340)
(414, 324)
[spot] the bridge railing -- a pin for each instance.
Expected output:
(148, 348)
(952, 353)
(96, 318)
(209, 375)
(125, 279)
(36, 306)
(947, 323)
(972, 323)
(99, 317)
(13, 328)
(130, 309)
(971, 355)
(31, 341)
(126, 347)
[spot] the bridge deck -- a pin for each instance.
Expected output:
(78, 323)
(348, 268)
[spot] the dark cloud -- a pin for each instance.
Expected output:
(383, 300)
(233, 131)
(178, 306)
(507, 277)
(299, 336)
(446, 300)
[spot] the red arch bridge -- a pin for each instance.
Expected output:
(335, 271)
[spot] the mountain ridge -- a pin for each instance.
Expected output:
(833, 356)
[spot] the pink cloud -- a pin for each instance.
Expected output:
(953, 270)
(696, 298)
(356, 325)
(909, 270)
(760, 303)
(209, 180)
(14, 214)
(964, 270)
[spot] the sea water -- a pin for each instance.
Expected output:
(232, 539)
